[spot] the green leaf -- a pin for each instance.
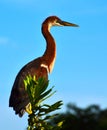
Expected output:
(37, 92)
(60, 124)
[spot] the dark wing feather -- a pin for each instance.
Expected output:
(19, 97)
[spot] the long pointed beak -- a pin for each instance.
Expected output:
(64, 23)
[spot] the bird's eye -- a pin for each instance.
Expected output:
(58, 22)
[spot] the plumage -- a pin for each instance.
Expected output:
(39, 67)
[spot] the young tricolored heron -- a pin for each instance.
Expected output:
(40, 67)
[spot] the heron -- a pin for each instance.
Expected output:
(40, 66)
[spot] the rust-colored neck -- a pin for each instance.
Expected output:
(50, 53)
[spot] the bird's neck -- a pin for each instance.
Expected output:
(50, 54)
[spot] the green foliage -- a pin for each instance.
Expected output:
(39, 112)
(77, 118)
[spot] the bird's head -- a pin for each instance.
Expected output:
(55, 21)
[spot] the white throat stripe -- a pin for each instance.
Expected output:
(45, 66)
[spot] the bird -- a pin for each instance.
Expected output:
(41, 66)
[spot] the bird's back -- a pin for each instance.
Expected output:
(19, 97)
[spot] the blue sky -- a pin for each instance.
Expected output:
(80, 71)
